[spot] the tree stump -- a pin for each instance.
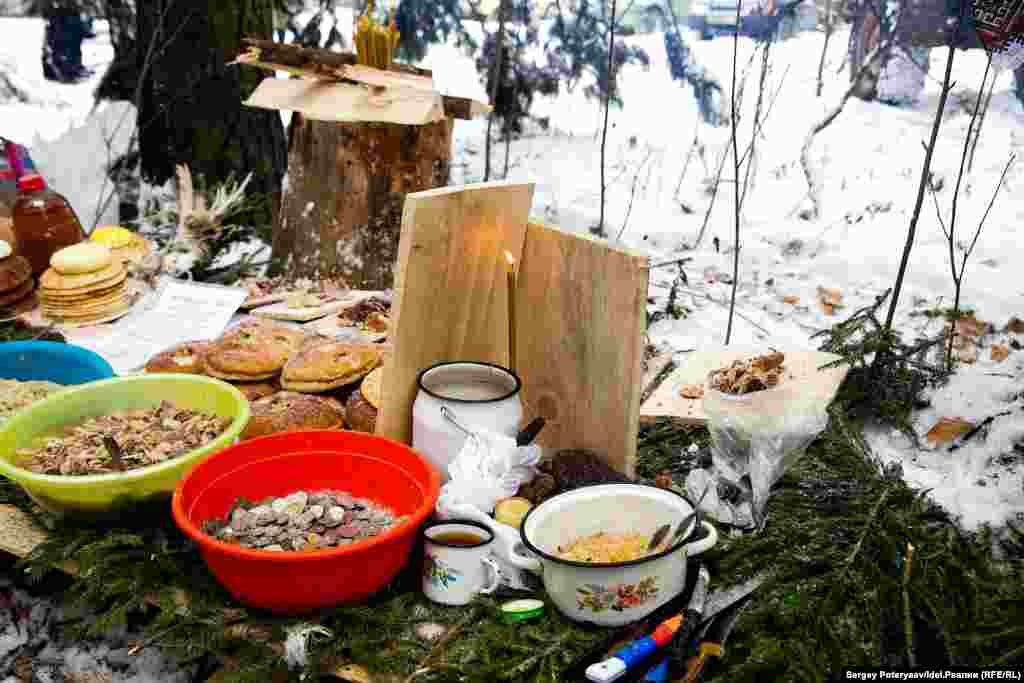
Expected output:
(341, 212)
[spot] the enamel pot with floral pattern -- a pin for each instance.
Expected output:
(614, 593)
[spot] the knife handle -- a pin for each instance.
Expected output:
(695, 666)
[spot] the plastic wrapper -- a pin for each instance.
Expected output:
(755, 438)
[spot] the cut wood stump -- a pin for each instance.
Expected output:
(341, 212)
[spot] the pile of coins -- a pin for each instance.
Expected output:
(303, 521)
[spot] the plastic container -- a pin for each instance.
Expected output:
(44, 361)
(101, 496)
(44, 223)
(365, 465)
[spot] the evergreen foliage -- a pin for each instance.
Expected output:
(574, 50)
(522, 78)
(887, 376)
(422, 23)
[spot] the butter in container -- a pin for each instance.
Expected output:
(521, 610)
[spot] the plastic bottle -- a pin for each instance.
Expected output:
(44, 222)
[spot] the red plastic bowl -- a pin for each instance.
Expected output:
(367, 466)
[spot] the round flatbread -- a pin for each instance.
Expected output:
(86, 322)
(328, 366)
(372, 387)
(17, 294)
(107, 293)
(14, 272)
(287, 411)
(82, 258)
(186, 358)
(78, 284)
(85, 313)
(253, 351)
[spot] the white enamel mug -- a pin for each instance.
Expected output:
(456, 572)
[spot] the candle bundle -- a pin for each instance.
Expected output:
(376, 43)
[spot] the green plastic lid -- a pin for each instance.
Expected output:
(521, 610)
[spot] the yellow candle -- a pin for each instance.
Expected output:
(510, 262)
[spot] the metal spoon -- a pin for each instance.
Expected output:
(659, 535)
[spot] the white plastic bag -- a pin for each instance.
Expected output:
(488, 468)
(756, 437)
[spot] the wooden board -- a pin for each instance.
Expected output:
(450, 286)
(581, 306)
(666, 401)
(325, 101)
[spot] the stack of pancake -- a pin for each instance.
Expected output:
(84, 285)
(16, 282)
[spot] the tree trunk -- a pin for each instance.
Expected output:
(191, 101)
(341, 213)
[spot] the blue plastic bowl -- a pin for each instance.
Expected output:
(45, 361)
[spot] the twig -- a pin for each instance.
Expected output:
(607, 106)
(864, 533)
(813, 191)
(981, 121)
(632, 194)
(725, 305)
(908, 624)
(737, 209)
(689, 156)
(977, 429)
(925, 175)
(430, 661)
(951, 232)
(527, 664)
(824, 48)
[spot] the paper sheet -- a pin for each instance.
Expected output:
(182, 311)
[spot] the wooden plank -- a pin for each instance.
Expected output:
(450, 286)
(334, 67)
(582, 312)
(343, 102)
(667, 402)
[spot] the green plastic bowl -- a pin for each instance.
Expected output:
(107, 495)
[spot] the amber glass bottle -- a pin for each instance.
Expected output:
(44, 223)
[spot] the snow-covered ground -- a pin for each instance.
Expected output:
(868, 163)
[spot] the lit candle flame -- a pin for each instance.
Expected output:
(510, 259)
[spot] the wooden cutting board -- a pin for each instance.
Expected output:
(667, 402)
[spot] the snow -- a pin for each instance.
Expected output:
(868, 163)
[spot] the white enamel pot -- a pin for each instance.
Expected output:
(610, 594)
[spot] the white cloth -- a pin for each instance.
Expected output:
(487, 469)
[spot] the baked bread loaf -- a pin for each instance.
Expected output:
(186, 358)
(81, 258)
(330, 365)
(254, 391)
(363, 404)
(15, 271)
(254, 351)
(287, 411)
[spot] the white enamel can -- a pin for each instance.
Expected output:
(477, 394)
